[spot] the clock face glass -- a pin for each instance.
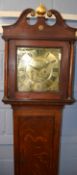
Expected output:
(38, 69)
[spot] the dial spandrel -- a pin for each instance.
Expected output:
(38, 69)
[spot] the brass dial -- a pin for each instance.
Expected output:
(38, 69)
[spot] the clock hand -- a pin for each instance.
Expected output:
(42, 66)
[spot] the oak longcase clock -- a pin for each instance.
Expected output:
(39, 62)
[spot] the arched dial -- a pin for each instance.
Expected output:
(38, 69)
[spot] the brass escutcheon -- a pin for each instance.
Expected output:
(40, 27)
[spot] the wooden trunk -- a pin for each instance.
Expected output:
(36, 139)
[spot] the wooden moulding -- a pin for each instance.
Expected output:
(21, 29)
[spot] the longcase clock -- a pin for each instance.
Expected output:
(39, 62)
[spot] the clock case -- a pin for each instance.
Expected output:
(22, 34)
(37, 115)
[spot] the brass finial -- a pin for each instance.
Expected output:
(41, 10)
